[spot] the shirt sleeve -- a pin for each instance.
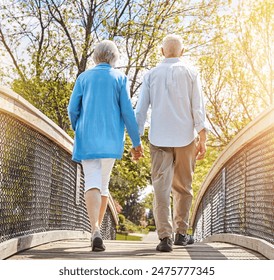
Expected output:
(198, 106)
(142, 105)
(128, 114)
(74, 107)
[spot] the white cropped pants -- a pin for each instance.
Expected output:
(97, 174)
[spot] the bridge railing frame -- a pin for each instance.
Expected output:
(236, 200)
(41, 192)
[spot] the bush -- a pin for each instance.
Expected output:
(127, 226)
(151, 228)
(121, 218)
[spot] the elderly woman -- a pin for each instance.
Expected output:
(99, 109)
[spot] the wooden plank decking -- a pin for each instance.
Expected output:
(79, 249)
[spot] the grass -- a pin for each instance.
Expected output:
(120, 236)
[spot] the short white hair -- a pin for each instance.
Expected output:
(106, 51)
(173, 45)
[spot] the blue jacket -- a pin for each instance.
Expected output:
(99, 109)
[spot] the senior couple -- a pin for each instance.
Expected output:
(99, 110)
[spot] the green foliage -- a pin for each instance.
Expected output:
(50, 97)
(128, 237)
(125, 225)
(148, 201)
(151, 228)
(202, 168)
(122, 219)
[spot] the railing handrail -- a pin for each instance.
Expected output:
(15, 105)
(260, 124)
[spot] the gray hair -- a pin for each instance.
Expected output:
(106, 51)
(173, 45)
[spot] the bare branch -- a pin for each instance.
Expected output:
(10, 52)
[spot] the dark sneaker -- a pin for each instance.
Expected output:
(97, 244)
(165, 245)
(183, 239)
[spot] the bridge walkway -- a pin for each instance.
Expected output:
(79, 249)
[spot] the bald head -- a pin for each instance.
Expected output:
(172, 46)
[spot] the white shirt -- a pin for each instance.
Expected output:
(173, 90)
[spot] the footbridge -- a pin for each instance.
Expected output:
(42, 213)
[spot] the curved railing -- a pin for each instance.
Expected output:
(236, 201)
(41, 188)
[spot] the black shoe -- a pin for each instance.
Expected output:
(97, 244)
(183, 239)
(165, 245)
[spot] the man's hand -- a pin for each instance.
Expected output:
(201, 145)
(200, 150)
(137, 153)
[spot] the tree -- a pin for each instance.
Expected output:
(60, 35)
(148, 205)
(39, 58)
(237, 68)
(255, 25)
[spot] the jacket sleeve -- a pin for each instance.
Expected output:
(128, 114)
(74, 107)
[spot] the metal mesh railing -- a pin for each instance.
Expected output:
(240, 199)
(38, 190)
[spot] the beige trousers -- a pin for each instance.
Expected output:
(172, 171)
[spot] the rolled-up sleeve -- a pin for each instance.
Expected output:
(142, 105)
(74, 107)
(198, 106)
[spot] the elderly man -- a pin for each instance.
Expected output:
(173, 90)
(99, 109)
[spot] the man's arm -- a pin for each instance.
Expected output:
(199, 115)
(142, 105)
(141, 115)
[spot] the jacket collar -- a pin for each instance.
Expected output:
(103, 65)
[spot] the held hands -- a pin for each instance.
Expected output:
(137, 153)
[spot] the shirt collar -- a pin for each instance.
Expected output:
(171, 60)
